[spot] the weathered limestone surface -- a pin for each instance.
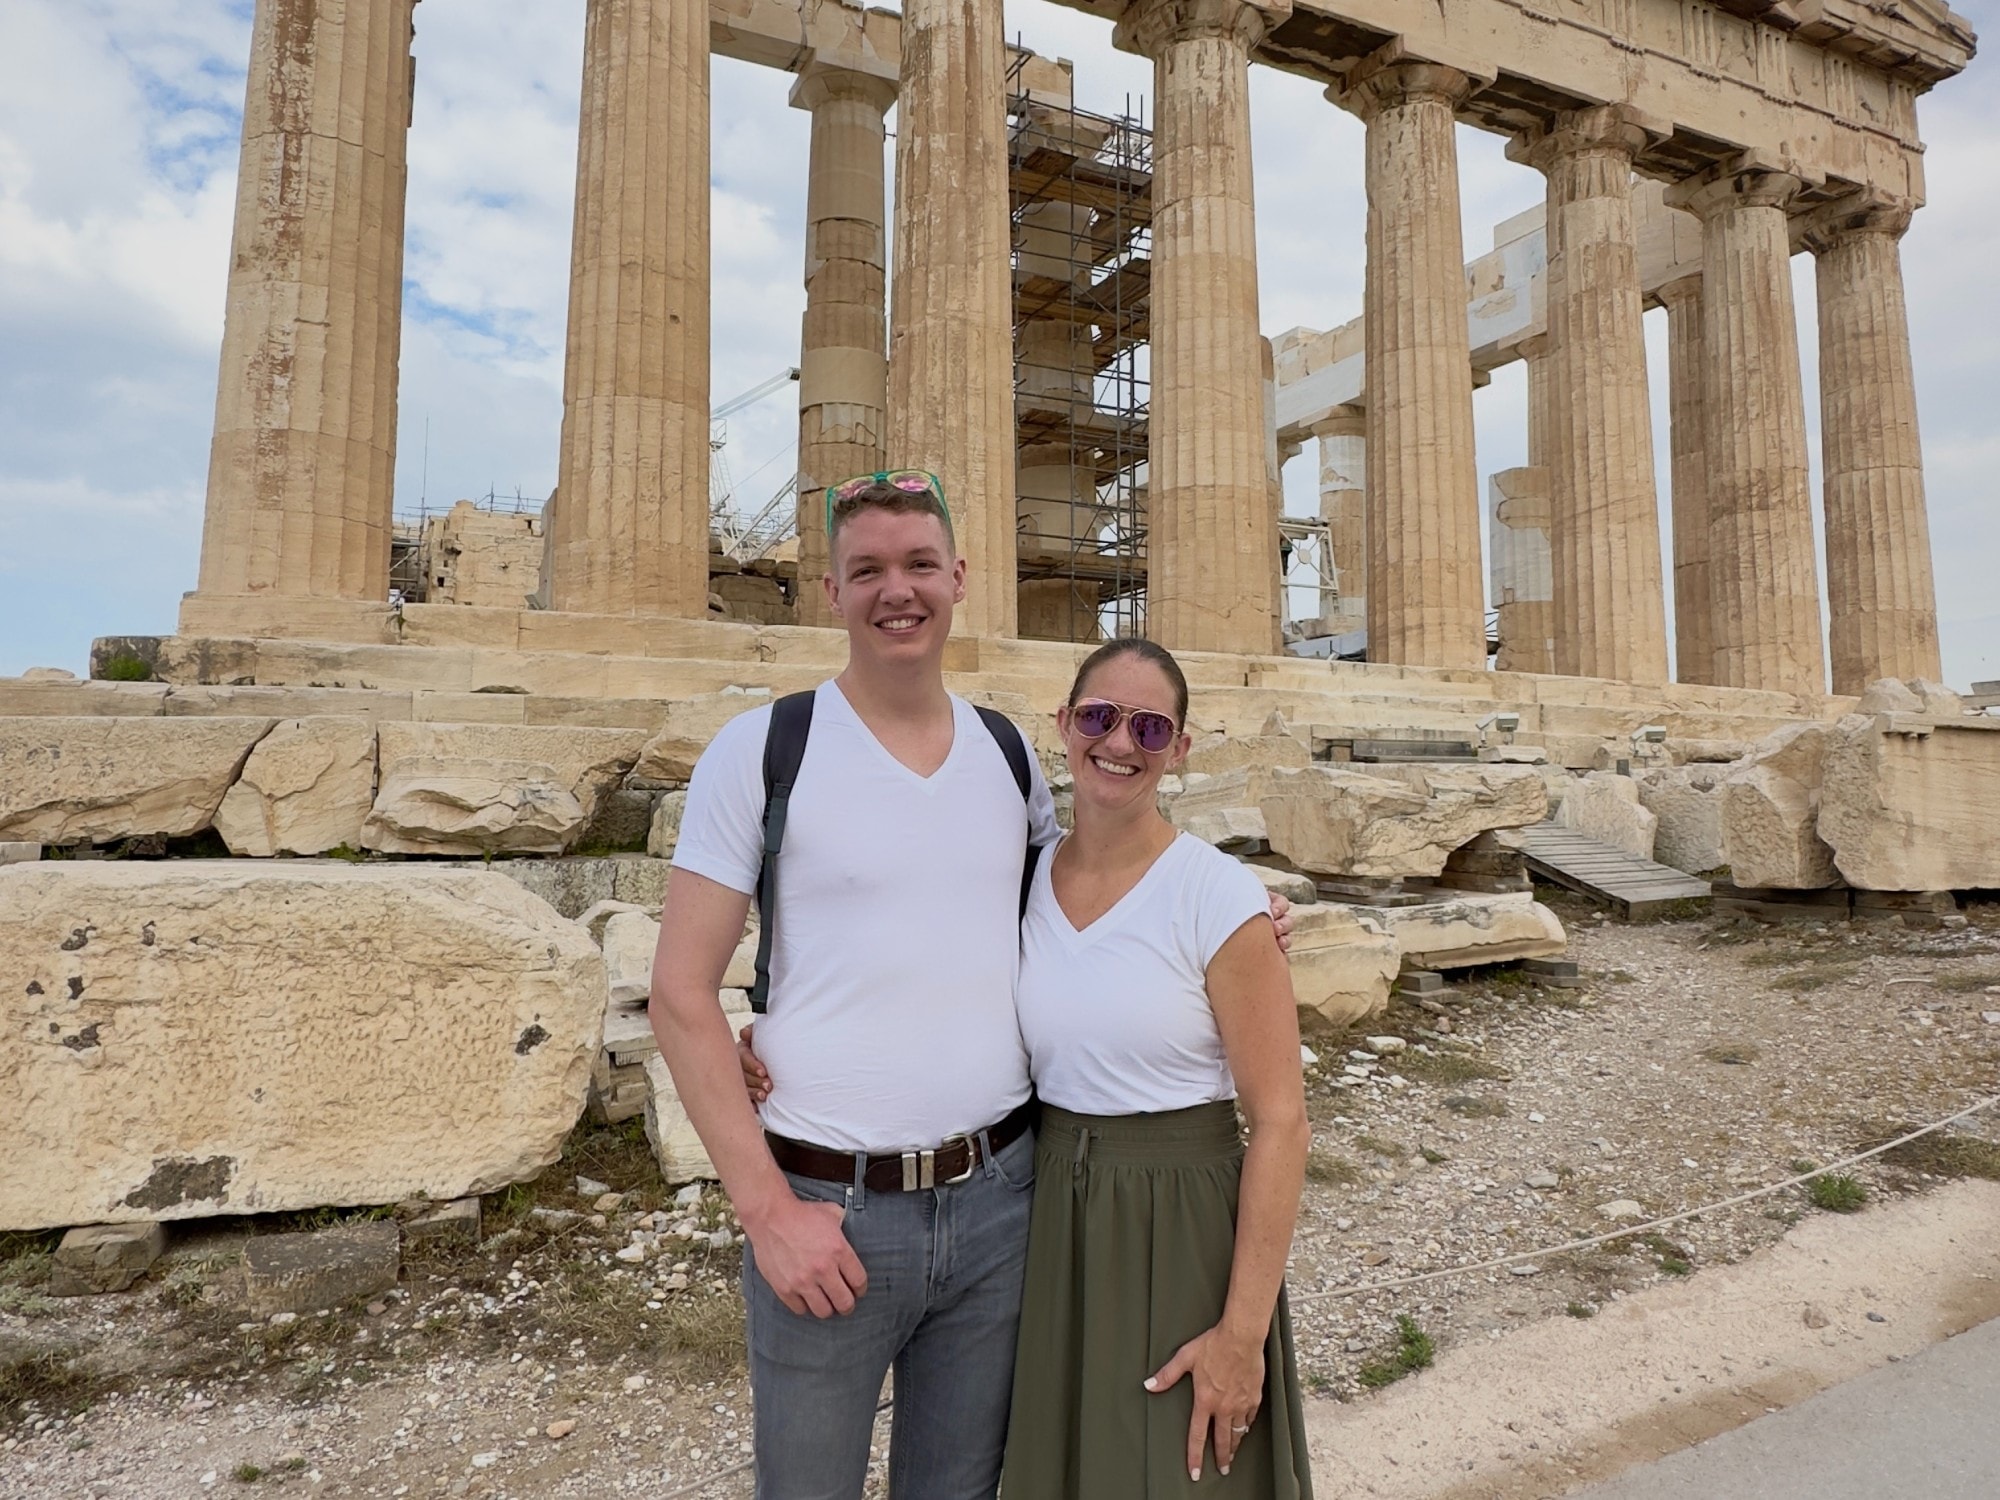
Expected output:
(575, 884)
(587, 761)
(630, 534)
(1523, 576)
(1343, 494)
(1220, 753)
(97, 1258)
(462, 805)
(482, 558)
(666, 829)
(306, 788)
(1881, 600)
(1342, 963)
(629, 941)
(76, 780)
(320, 1268)
(1763, 581)
(220, 1037)
(1770, 812)
(1332, 821)
(1212, 540)
(1470, 929)
(1687, 801)
(301, 471)
(1610, 618)
(1694, 634)
(1913, 810)
(951, 316)
(1607, 807)
(668, 757)
(843, 359)
(1426, 605)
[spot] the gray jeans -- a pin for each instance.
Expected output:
(945, 1268)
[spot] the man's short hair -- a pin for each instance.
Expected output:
(882, 492)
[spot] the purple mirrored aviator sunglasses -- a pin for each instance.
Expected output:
(1152, 731)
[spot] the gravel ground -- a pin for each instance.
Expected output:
(1701, 1058)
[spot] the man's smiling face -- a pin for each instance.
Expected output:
(894, 583)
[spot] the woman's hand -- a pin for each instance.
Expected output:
(1228, 1373)
(756, 1081)
(1281, 918)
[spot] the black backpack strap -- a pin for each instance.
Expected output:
(1014, 745)
(784, 752)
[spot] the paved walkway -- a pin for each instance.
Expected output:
(1925, 1429)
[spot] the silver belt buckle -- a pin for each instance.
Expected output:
(971, 1157)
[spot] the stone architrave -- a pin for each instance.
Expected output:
(1609, 607)
(82, 780)
(1343, 506)
(1910, 805)
(1770, 812)
(843, 357)
(1212, 543)
(1464, 929)
(302, 466)
(1523, 587)
(951, 307)
(1694, 629)
(630, 536)
(305, 789)
(234, 1037)
(1881, 600)
(1426, 600)
(1763, 580)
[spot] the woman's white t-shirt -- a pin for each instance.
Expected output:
(1116, 1017)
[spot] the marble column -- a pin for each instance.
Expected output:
(1694, 628)
(1426, 600)
(1212, 572)
(1523, 582)
(1604, 533)
(1881, 599)
(1343, 494)
(1541, 401)
(843, 361)
(1763, 580)
(951, 319)
(301, 477)
(632, 522)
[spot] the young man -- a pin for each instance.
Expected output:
(887, 1209)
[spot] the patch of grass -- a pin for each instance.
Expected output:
(348, 854)
(1622, 976)
(1414, 1351)
(1964, 984)
(55, 1380)
(1813, 979)
(1330, 1170)
(1768, 958)
(702, 1337)
(25, 1259)
(1477, 1106)
(1836, 1193)
(1673, 1259)
(1687, 909)
(24, 1303)
(1446, 1069)
(246, 1473)
(1943, 1153)
(1581, 1310)
(1733, 1054)
(613, 1154)
(125, 667)
(1432, 1155)
(1381, 1147)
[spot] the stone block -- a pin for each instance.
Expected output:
(12, 853)
(90, 780)
(1405, 822)
(1294, 887)
(105, 1258)
(465, 806)
(1687, 801)
(197, 1037)
(305, 789)
(1906, 811)
(670, 1132)
(302, 1273)
(1420, 982)
(1219, 753)
(1770, 812)
(630, 939)
(666, 827)
(599, 916)
(576, 883)
(623, 819)
(1606, 807)
(669, 756)
(453, 1223)
(1342, 963)
(1471, 928)
(587, 762)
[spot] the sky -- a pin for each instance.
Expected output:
(119, 123)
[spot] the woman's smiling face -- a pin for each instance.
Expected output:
(1114, 771)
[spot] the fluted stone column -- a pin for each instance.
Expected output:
(1426, 603)
(301, 476)
(1694, 628)
(631, 528)
(1523, 580)
(1211, 582)
(1343, 494)
(951, 342)
(1541, 400)
(1762, 577)
(1604, 534)
(843, 362)
(1881, 599)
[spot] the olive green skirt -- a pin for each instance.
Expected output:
(1134, 1234)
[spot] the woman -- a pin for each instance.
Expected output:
(1155, 1350)
(1153, 1000)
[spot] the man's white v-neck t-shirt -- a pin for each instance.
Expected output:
(897, 936)
(1116, 1017)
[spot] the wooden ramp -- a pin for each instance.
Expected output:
(1632, 886)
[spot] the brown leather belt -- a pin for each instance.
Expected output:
(906, 1171)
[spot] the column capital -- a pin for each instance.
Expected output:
(821, 83)
(1683, 290)
(1149, 26)
(1859, 213)
(1741, 182)
(1599, 128)
(1347, 421)
(1533, 347)
(1392, 75)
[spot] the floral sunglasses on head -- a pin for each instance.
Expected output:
(1094, 718)
(910, 481)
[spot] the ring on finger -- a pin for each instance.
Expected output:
(1244, 1428)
